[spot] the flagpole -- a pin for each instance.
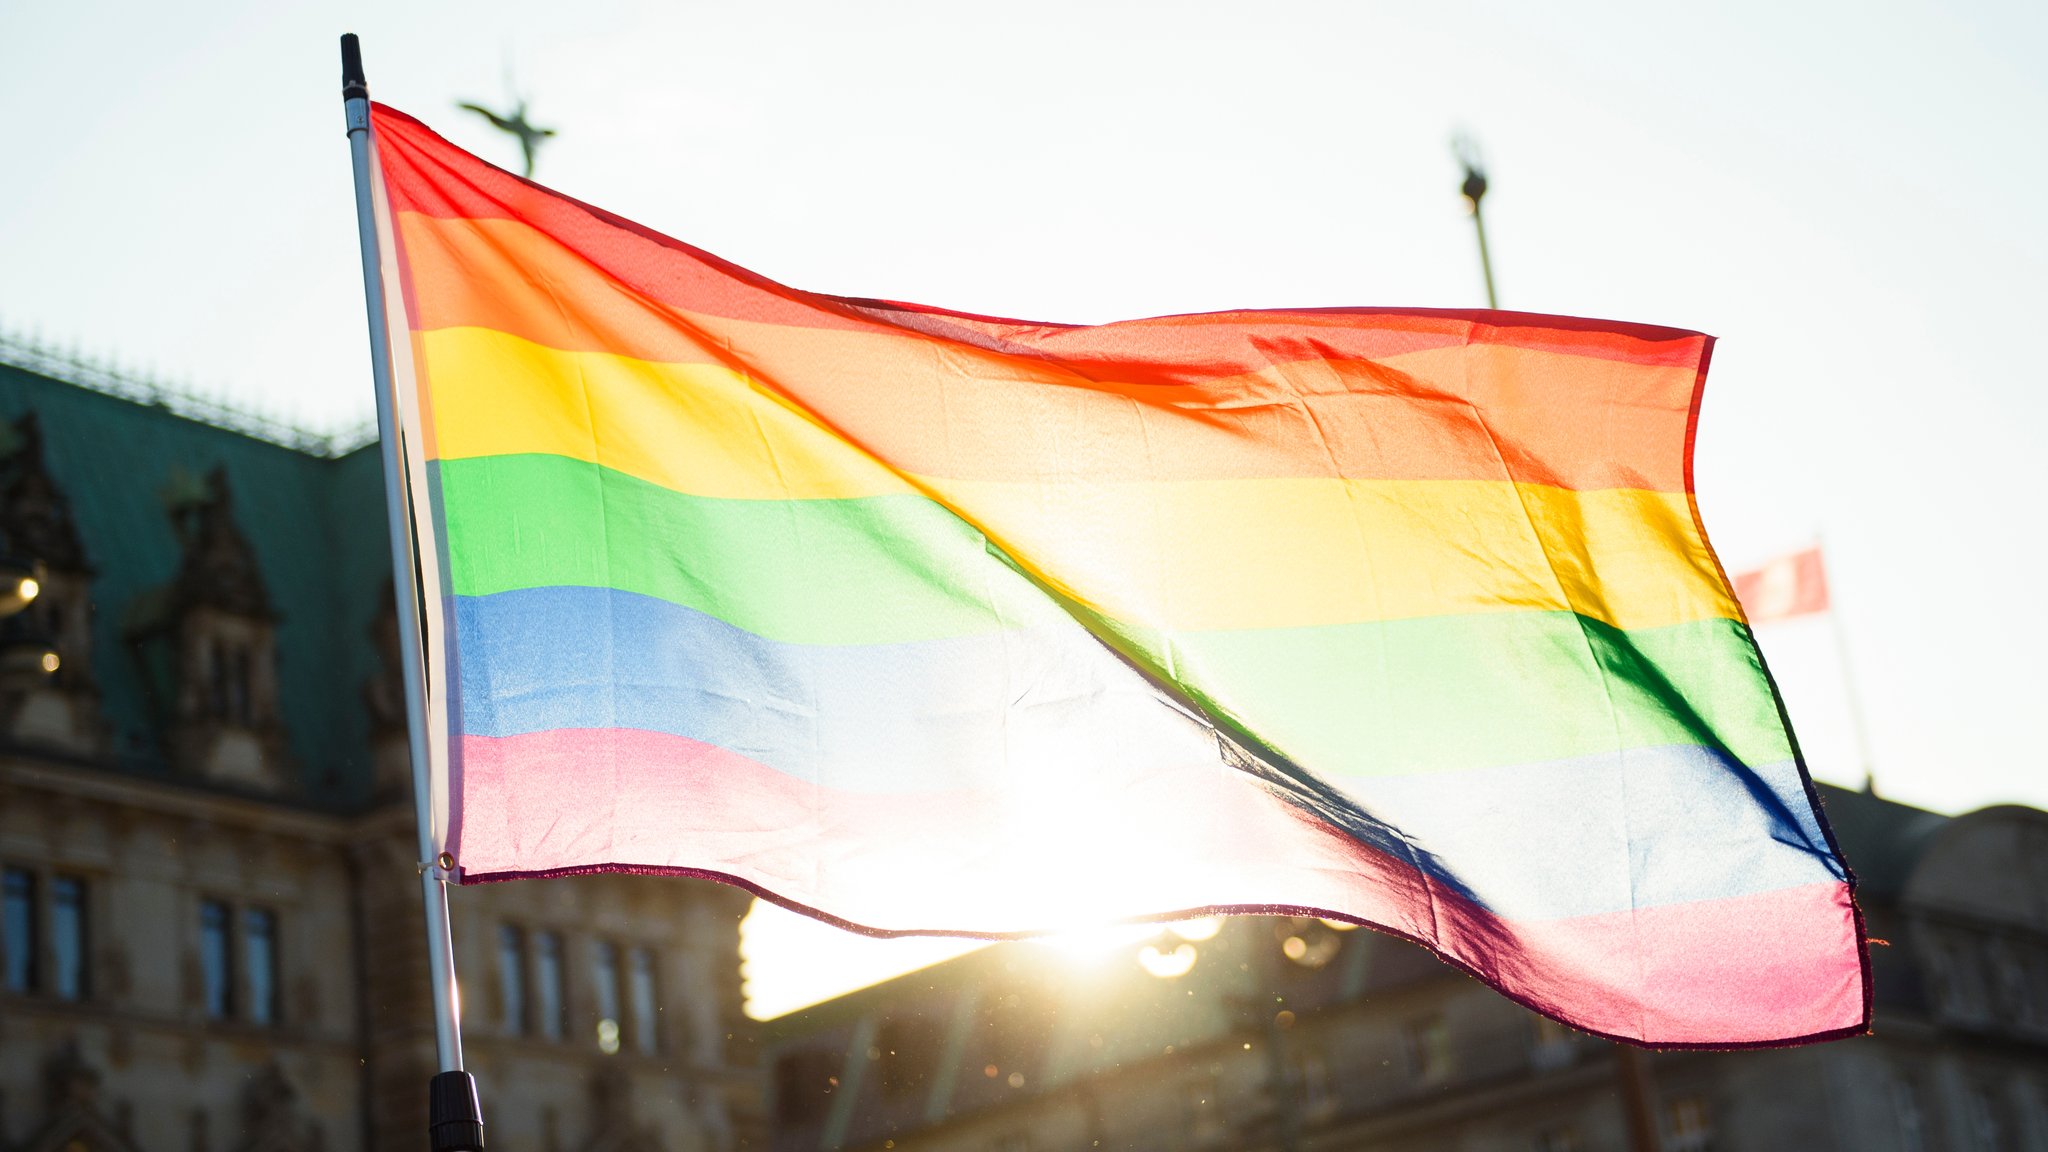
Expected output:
(1856, 720)
(455, 1122)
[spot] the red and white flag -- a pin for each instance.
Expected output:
(1795, 584)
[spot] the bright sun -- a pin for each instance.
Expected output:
(789, 961)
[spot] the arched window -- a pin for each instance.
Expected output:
(549, 1004)
(240, 709)
(215, 667)
(646, 1001)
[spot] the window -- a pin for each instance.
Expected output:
(68, 954)
(244, 983)
(1019, 1024)
(227, 673)
(1980, 1118)
(2032, 1119)
(259, 960)
(1427, 1046)
(804, 1083)
(604, 981)
(216, 961)
(18, 944)
(239, 709)
(1959, 978)
(1551, 1044)
(216, 676)
(547, 983)
(2012, 993)
(512, 980)
(1315, 1087)
(1907, 1118)
(1317, 1101)
(646, 1005)
(910, 1048)
(1691, 1130)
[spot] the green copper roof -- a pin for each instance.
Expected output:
(316, 525)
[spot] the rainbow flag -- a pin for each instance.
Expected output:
(930, 622)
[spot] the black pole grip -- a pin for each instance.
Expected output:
(455, 1123)
(352, 83)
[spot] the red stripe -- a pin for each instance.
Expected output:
(425, 174)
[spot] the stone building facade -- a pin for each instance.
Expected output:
(210, 933)
(1292, 1035)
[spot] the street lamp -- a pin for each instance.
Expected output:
(1474, 190)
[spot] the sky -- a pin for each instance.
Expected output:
(1845, 194)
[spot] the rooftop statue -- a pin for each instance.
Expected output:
(530, 137)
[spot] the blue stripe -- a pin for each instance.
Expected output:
(1546, 841)
(1630, 829)
(928, 715)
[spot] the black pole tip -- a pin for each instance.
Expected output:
(352, 83)
(455, 1123)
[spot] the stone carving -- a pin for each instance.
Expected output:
(219, 568)
(208, 642)
(273, 1116)
(59, 711)
(613, 1126)
(384, 698)
(75, 1121)
(35, 515)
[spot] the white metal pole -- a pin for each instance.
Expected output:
(449, 1128)
(1856, 718)
(1859, 726)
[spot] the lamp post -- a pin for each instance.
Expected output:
(1474, 190)
(1633, 1078)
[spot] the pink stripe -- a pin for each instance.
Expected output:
(1027, 859)
(1758, 969)
(1766, 968)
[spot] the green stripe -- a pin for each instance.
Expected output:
(1450, 692)
(1436, 693)
(871, 570)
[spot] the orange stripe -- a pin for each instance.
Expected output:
(942, 408)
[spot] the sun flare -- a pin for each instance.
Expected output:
(789, 962)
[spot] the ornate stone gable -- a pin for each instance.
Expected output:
(208, 646)
(60, 711)
(273, 1116)
(35, 515)
(74, 1121)
(384, 700)
(614, 1126)
(218, 569)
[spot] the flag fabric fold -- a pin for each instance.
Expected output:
(926, 621)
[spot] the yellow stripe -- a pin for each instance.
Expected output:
(696, 428)
(1192, 555)
(1219, 554)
